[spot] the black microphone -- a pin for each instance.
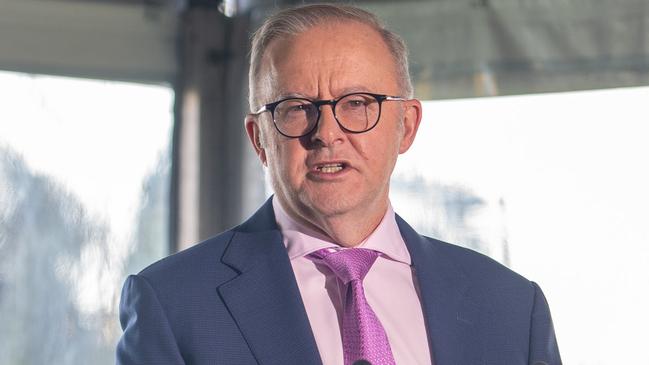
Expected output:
(361, 362)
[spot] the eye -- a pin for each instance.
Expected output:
(355, 102)
(297, 108)
(294, 106)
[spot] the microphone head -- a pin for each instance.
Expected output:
(361, 362)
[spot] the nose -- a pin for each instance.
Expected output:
(327, 131)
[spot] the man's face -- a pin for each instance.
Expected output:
(326, 62)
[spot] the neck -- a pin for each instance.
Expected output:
(348, 229)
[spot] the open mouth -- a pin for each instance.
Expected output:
(330, 168)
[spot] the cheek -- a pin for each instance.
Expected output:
(380, 149)
(288, 161)
(361, 148)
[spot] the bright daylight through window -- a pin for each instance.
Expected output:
(84, 180)
(551, 185)
(555, 187)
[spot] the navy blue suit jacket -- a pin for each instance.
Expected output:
(233, 299)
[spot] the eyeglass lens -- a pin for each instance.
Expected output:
(355, 112)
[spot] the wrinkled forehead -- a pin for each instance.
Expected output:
(329, 59)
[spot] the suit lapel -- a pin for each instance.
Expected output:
(265, 301)
(264, 298)
(451, 320)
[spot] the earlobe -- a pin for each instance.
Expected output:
(254, 136)
(411, 120)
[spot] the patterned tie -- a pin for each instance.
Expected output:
(363, 335)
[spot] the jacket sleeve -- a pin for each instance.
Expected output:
(543, 343)
(147, 337)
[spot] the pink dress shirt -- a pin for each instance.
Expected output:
(390, 288)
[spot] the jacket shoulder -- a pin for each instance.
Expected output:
(479, 268)
(202, 260)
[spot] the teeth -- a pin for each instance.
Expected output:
(330, 168)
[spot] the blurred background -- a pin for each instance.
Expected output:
(122, 141)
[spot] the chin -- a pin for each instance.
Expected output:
(330, 204)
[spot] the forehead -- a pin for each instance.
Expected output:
(328, 60)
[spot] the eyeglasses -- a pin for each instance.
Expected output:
(355, 113)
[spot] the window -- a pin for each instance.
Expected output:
(553, 186)
(84, 172)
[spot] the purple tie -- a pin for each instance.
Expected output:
(363, 335)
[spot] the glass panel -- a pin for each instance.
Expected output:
(84, 180)
(555, 187)
(503, 47)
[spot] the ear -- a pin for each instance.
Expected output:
(254, 135)
(411, 120)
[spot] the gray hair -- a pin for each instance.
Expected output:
(293, 21)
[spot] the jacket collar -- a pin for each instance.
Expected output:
(266, 304)
(451, 319)
(264, 298)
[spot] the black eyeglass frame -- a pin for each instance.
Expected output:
(380, 98)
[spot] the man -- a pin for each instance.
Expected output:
(325, 272)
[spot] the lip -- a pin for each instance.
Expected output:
(316, 174)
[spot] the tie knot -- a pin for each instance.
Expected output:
(349, 264)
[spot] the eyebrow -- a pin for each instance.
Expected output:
(292, 95)
(339, 93)
(355, 89)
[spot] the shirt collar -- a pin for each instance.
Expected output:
(301, 240)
